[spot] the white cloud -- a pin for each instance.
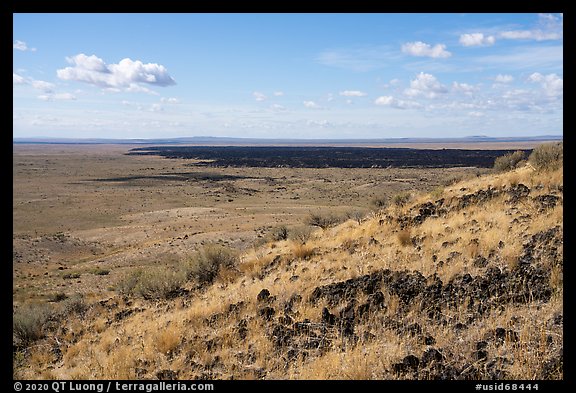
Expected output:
(477, 39)
(549, 27)
(311, 105)
(463, 88)
(420, 48)
(57, 97)
(503, 78)
(258, 96)
(170, 100)
(17, 79)
(352, 93)
(537, 35)
(278, 93)
(552, 84)
(156, 108)
(22, 46)
(127, 75)
(46, 87)
(396, 103)
(425, 85)
(277, 108)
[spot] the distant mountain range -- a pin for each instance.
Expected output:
(209, 140)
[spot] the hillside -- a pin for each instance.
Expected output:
(465, 282)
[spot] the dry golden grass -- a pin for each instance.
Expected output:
(302, 251)
(167, 338)
(404, 237)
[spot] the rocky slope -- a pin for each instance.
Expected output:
(463, 283)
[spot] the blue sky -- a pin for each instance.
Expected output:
(287, 75)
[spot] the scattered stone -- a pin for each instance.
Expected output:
(167, 375)
(517, 192)
(429, 340)
(430, 357)
(547, 201)
(242, 329)
(480, 261)
(267, 313)
(409, 363)
(327, 317)
(263, 295)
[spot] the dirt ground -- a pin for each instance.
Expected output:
(84, 215)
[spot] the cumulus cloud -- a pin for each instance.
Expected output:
(156, 108)
(57, 97)
(311, 105)
(549, 27)
(17, 79)
(420, 48)
(278, 93)
(22, 46)
(463, 88)
(127, 75)
(477, 39)
(43, 86)
(552, 84)
(396, 103)
(352, 93)
(503, 78)
(425, 85)
(258, 96)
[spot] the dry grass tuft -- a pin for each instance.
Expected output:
(404, 237)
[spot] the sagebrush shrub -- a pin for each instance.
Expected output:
(323, 221)
(28, 322)
(508, 161)
(205, 266)
(158, 282)
(547, 156)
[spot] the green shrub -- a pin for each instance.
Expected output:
(75, 304)
(159, 282)
(205, 266)
(28, 322)
(279, 233)
(508, 161)
(57, 297)
(101, 272)
(128, 284)
(437, 192)
(547, 156)
(401, 199)
(323, 221)
(70, 276)
(379, 202)
(356, 215)
(300, 234)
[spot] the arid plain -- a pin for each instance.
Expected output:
(80, 208)
(143, 267)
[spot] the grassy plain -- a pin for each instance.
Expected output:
(454, 273)
(80, 208)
